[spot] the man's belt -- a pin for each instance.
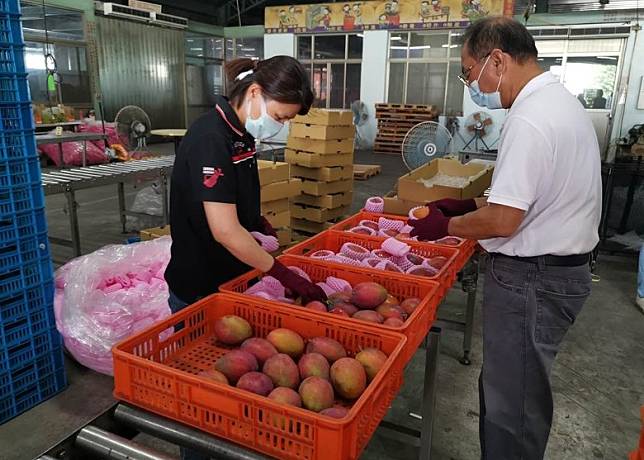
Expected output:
(556, 261)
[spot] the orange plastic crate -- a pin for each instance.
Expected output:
(158, 373)
(415, 328)
(333, 241)
(466, 247)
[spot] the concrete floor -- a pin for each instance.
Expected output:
(598, 378)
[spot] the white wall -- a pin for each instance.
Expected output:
(373, 77)
(632, 115)
(279, 44)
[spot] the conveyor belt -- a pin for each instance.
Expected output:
(60, 181)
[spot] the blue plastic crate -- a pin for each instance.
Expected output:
(10, 6)
(22, 252)
(12, 59)
(33, 299)
(17, 144)
(10, 29)
(18, 356)
(16, 117)
(43, 389)
(29, 223)
(25, 276)
(19, 172)
(8, 229)
(20, 199)
(14, 89)
(22, 329)
(19, 380)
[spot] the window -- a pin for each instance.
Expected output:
(61, 24)
(333, 63)
(245, 47)
(588, 68)
(422, 70)
(204, 73)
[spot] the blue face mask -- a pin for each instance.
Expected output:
(265, 126)
(489, 100)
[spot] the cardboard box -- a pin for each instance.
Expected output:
(321, 132)
(281, 190)
(307, 226)
(333, 146)
(316, 188)
(326, 174)
(394, 205)
(274, 207)
(284, 236)
(326, 117)
(154, 232)
(282, 219)
(317, 214)
(409, 189)
(316, 160)
(270, 172)
(325, 201)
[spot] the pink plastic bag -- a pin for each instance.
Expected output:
(97, 127)
(108, 295)
(73, 153)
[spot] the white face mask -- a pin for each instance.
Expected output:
(263, 127)
(489, 100)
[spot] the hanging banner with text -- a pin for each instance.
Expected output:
(389, 14)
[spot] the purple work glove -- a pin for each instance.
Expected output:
(452, 207)
(265, 227)
(430, 228)
(298, 285)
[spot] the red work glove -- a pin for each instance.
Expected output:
(452, 207)
(298, 285)
(265, 227)
(430, 228)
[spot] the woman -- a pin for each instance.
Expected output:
(215, 195)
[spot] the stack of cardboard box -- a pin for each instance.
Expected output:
(320, 151)
(277, 188)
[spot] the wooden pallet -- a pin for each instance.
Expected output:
(364, 172)
(383, 105)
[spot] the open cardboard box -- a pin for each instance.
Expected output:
(410, 189)
(270, 172)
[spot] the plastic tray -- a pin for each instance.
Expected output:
(10, 6)
(18, 356)
(17, 144)
(24, 277)
(14, 89)
(16, 117)
(19, 172)
(21, 379)
(159, 376)
(10, 29)
(466, 247)
(333, 241)
(22, 303)
(12, 59)
(20, 199)
(23, 251)
(415, 328)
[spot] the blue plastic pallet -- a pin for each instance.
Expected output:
(17, 144)
(21, 355)
(24, 277)
(43, 389)
(36, 298)
(10, 6)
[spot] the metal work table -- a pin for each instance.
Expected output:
(42, 139)
(69, 181)
(72, 124)
(175, 134)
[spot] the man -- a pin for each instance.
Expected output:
(539, 225)
(600, 101)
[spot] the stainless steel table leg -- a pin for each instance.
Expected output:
(84, 153)
(121, 196)
(60, 151)
(164, 196)
(72, 207)
(470, 283)
(429, 394)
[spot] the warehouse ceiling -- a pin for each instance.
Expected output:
(221, 12)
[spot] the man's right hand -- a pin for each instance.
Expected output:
(298, 285)
(452, 207)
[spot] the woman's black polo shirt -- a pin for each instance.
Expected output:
(215, 162)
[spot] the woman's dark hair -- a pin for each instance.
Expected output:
(503, 33)
(282, 79)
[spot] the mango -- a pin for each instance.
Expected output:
(335, 412)
(316, 393)
(394, 322)
(390, 311)
(409, 305)
(262, 349)
(286, 341)
(348, 307)
(232, 329)
(330, 348)
(368, 295)
(287, 396)
(339, 312)
(214, 375)
(236, 363)
(282, 370)
(255, 382)
(313, 364)
(348, 377)
(372, 360)
(370, 316)
(316, 305)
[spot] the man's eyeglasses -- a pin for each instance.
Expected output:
(464, 77)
